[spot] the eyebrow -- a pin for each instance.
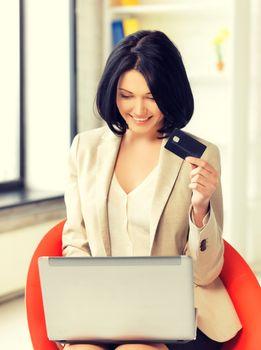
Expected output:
(147, 93)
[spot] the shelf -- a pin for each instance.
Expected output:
(212, 78)
(177, 7)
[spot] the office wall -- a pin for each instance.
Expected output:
(213, 120)
(217, 100)
(89, 60)
(17, 247)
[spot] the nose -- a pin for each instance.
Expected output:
(139, 108)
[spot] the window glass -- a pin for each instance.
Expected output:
(9, 91)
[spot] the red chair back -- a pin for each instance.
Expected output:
(50, 245)
(245, 292)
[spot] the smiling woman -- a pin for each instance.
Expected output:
(127, 195)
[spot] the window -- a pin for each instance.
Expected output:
(38, 93)
(11, 89)
(50, 91)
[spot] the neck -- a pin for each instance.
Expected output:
(131, 137)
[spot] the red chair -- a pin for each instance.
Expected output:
(237, 276)
(245, 292)
(50, 245)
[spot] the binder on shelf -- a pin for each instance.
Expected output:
(130, 25)
(130, 2)
(117, 31)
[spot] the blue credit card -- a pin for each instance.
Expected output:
(184, 145)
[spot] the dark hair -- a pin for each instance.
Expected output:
(155, 56)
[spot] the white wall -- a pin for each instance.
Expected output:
(253, 241)
(89, 60)
(227, 103)
(47, 123)
(17, 248)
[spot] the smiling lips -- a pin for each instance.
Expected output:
(140, 120)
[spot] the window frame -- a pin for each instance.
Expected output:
(20, 183)
(73, 69)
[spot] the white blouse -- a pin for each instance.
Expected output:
(129, 217)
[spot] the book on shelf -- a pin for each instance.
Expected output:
(122, 28)
(117, 31)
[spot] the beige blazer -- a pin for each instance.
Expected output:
(91, 164)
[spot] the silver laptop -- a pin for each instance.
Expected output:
(118, 299)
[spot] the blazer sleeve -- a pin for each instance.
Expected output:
(74, 237)
(205, 245)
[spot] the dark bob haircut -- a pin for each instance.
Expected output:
(155, 56)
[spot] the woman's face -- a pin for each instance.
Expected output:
(137, 105)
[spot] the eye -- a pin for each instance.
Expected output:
(150, 98)
(125, 96)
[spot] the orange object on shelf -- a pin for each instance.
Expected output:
(218, 41)
(220, 66)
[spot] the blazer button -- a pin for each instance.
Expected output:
(203, 245)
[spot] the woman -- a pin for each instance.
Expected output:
(123, 180)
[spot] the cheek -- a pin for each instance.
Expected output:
(155, 109)
(119, 103)
(158, 113)
(122, 109)
(123, 106)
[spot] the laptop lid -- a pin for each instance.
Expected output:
(117, 299)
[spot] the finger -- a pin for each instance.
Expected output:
(200, 171)
(209, 186)
(206, 191)
(198, 178)
(198, 187)
(207, 181)
(204, 188)
(200, 163)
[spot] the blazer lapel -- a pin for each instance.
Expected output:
(169, 166)
(106, 157)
